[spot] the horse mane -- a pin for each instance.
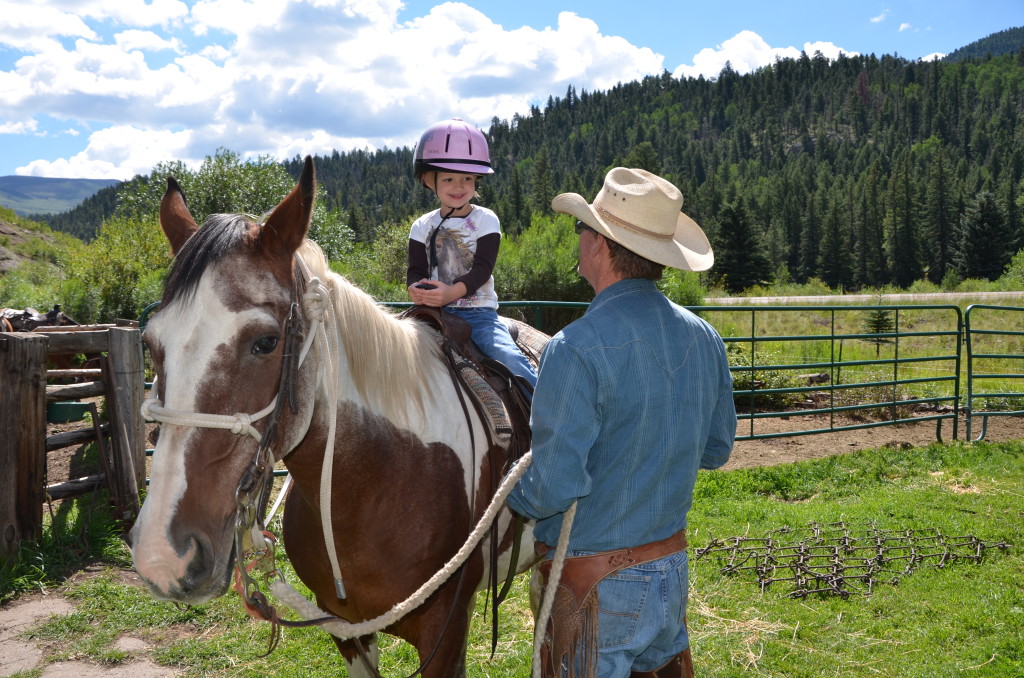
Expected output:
(388, 357)
(219, 234)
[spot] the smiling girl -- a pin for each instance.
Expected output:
(452, 250)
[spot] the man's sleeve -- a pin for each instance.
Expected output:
(722, 432)
(565, 425)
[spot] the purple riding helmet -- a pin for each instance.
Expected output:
(452, 146)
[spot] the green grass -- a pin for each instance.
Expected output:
(961, 620)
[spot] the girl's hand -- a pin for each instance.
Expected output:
(435, 293)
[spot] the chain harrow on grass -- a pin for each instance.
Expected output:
(840, 559)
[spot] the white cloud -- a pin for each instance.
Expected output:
(932, 57)
(281, 77)
(38, 28)
(145, 40)
(747, 51)
(20, 127)
(904, 27)
(132, 12)
(113, 150)
(880, 18)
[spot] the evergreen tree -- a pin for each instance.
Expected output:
(540, 184)
(878, 321)
(834, 255)
(810, 241)
(515, 216)
(904, 257)
(939, 218)
(739, 255)
(983, 245)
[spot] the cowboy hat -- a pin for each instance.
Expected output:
(641, 212)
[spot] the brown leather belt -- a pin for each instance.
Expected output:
(582, 572)
(633, 555)
(572, 627)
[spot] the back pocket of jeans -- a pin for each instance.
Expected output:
(621, 598)
(682, 571)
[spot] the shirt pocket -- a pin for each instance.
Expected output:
(621, 600)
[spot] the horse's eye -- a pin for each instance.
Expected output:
(264, 345)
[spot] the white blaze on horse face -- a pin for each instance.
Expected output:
(191, 346)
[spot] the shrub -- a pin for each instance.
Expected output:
(751, 385)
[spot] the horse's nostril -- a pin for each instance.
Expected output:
(198, 564)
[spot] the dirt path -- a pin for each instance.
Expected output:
(18, 653)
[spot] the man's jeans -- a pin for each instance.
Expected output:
(641, 623)
(492, 338)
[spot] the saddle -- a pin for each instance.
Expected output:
(29, 319)
(483, 377)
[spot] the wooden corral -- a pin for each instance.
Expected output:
(27, 388)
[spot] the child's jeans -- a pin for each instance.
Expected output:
(494, 341)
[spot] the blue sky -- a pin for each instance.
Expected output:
(110, 88)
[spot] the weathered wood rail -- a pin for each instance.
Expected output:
(24, 395)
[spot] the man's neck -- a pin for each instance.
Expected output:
(605, 280)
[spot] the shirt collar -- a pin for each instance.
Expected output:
(620, 288)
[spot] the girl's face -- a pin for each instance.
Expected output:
(455, 190)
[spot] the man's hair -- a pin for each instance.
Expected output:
(629, 264)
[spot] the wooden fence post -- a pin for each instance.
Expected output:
(22, 438)
(125, 392)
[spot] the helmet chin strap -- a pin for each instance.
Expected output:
(432, 240)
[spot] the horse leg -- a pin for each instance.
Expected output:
(355, 662)
(441, 641)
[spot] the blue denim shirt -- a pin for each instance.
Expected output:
(631, 400)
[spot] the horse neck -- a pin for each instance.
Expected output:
(386, 364)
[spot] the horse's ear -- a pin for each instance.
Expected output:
(175, 219)
(288, 224)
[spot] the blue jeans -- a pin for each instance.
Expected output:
(641, 623)
(492, 338)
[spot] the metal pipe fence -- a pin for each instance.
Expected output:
(919, 378)
(999, 348)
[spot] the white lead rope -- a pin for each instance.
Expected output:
(239, 424)
(344, 630)
(317, 301)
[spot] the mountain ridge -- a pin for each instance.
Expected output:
(30, 196)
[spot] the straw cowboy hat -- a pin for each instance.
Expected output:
(641, 212)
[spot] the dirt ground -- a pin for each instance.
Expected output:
(21, 653)
(770, 451)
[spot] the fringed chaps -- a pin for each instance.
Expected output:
(571, 638)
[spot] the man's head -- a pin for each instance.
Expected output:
(624, 263)
(640, 212)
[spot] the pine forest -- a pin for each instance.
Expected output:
(861, 171)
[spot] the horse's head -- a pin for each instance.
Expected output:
(218, 345)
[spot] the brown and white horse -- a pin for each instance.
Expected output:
(411, 473)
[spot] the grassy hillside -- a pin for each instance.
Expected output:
(30, 253)
(46, 195)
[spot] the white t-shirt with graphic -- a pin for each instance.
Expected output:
(456, 245)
